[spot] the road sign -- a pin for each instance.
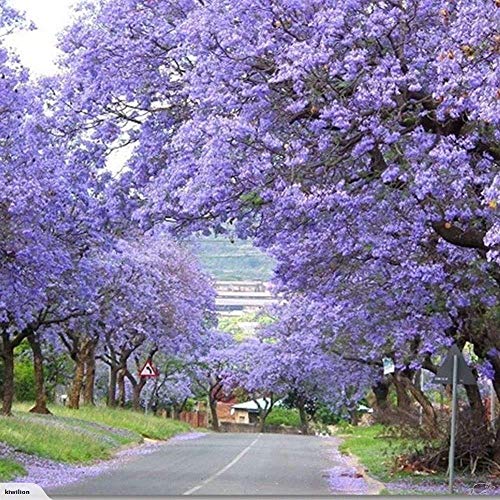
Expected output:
(388, 366)
(454, 371)
(445, 373)
(149, 370)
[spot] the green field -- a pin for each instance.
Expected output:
(148, 426)
(82, 436)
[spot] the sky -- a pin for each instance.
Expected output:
(37, 48)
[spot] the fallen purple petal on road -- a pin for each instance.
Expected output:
(345, 484)
(48, 473)
(344, 476)
(480, 487)
(188, 436)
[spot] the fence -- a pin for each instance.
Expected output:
(195, 418)
(275, 429)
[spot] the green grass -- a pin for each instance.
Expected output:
(10, 469)
(62, 439)
(148, 426)
(81, 436)
(375, 453)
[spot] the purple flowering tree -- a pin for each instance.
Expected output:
(207, 365)
(355, 141)
(153, 299)
(309, 371)
(334, 148)
(49, 220)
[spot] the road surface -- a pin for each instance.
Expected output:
(219, 464)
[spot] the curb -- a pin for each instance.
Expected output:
(376, 487)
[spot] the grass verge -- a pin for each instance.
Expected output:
(149, 426)
(374, 453)
(81, 436)
(10, 469)
(61, 439)
(377, 453)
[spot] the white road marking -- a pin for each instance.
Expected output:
(224, 469)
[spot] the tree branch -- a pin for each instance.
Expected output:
(470, 238)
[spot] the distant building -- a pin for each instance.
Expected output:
(240, 297)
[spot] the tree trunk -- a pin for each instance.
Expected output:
(121, 387)
(477, 407)
(429, 413)
(304, 424)
(263, 413)
(41, 397)
(153, 398)
(403, 400)
(76, 388)
(213, 413)
(262, 421)
(496, 447)
(111, 399)
(495, 361)
(354, 417)
(8, 377)
(136, 394)
(88, 393)
(381, 392)
(177, 412)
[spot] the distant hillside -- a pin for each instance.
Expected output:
(233, 261)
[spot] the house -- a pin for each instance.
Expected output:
(224, 405)
(248, 412)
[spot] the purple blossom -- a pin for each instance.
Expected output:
(188, 436)
(345, 477)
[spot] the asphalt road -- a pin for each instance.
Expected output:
(219, 464)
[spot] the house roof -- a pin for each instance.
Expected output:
(251, 406)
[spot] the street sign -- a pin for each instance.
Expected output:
(388, 366)
(454, 371)
(149, 370)
(445, 373)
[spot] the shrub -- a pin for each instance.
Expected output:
(24, 380)
(425, 451)
(325, 416)
(283, 416)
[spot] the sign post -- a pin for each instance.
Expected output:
(148, 371)
(451, 456)
(492, 406)
(454, 371)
